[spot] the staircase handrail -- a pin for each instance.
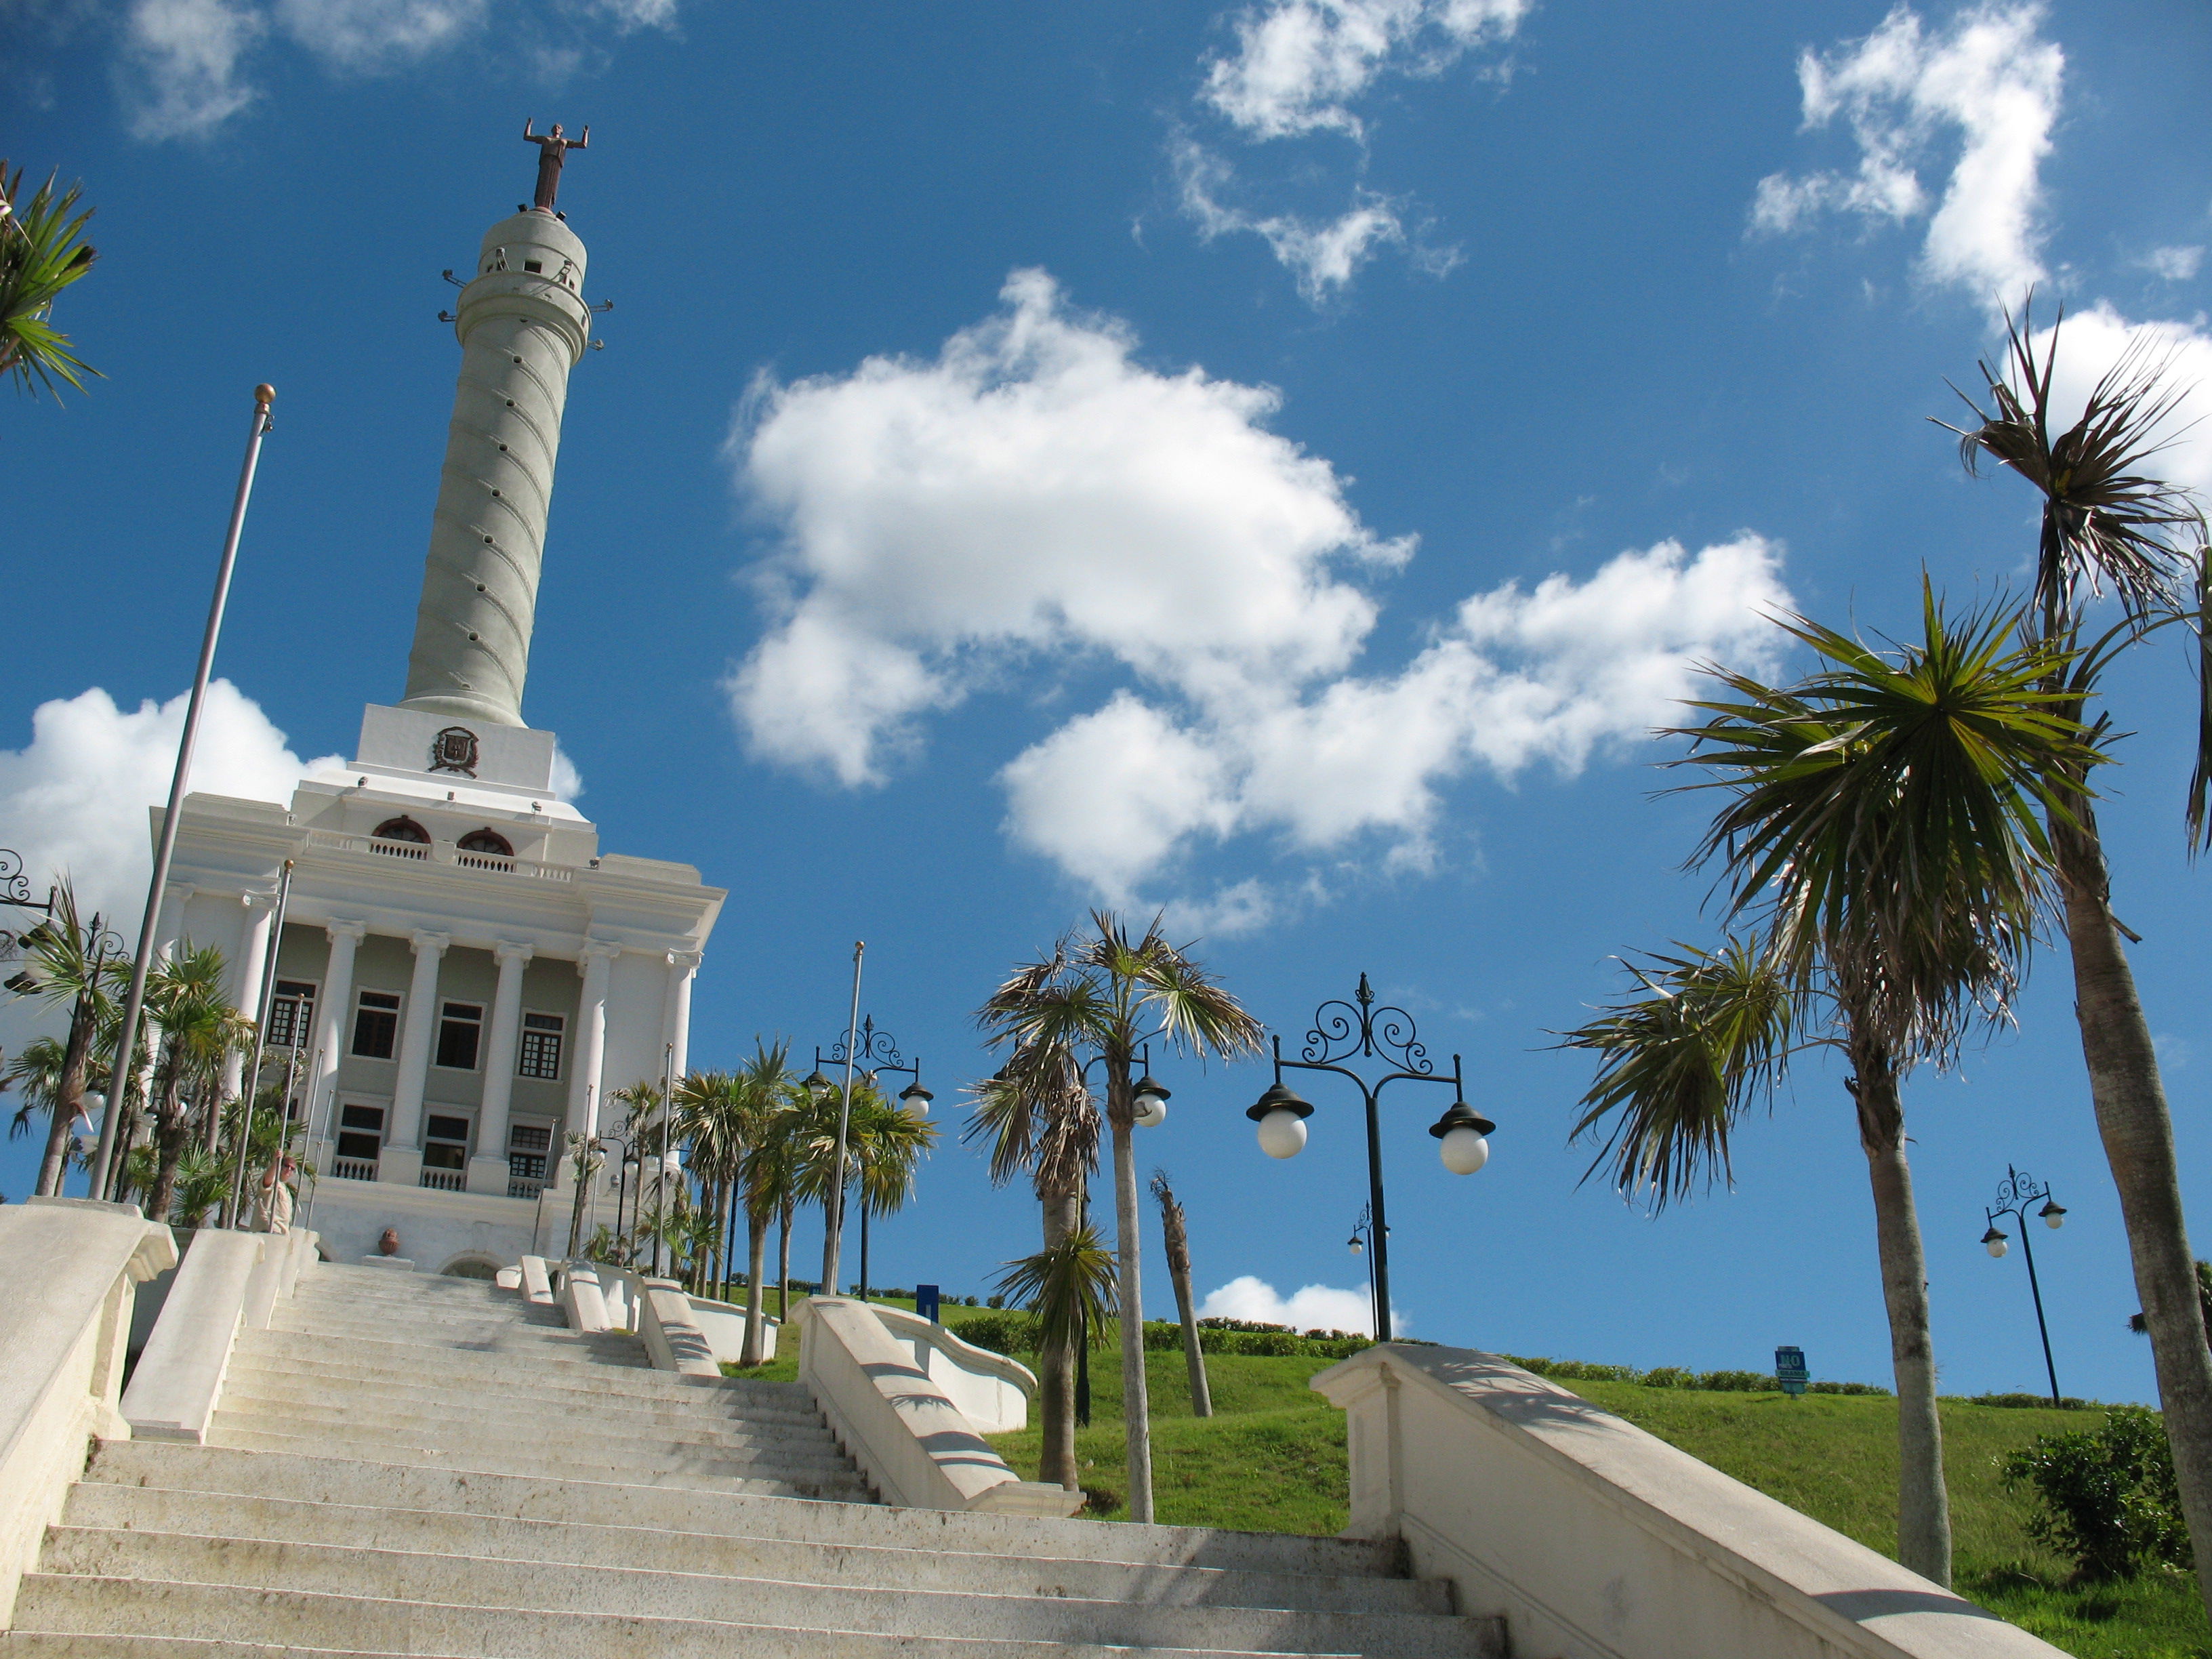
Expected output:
(79, 1264)
(915, 1446)
(994, 1390)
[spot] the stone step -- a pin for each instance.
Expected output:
(389, 1576)
(267, 1390)
(480, 1422)
(603, 1502)
(36, 1644)
(451, 1334)
(694, 1474)
(458, 1446)
(658, 1393)
(160, 1509)
(507, 1355)
(290, 1622)
(499, 1368)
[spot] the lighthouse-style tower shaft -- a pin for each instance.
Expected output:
(523, 325)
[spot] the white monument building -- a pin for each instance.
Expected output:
(463, 974)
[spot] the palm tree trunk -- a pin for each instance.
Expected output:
(170, 1134)
(783, 1267)
(69, 1098)
(1924, 1505)
(1057, 1463)
(756, 1293)
(1178, 1251)
(2133, 1122)
(1136, 1407)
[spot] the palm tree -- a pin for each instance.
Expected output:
(1045, 1123)
(1095, 995)
(710, 1118)
(2107, 525)
(1175, 1235)
(41, 253)
(1884, 826)
(65, 965)
(883, 1146)
(1069, 1286)
(766, 1177)
(199, 1027)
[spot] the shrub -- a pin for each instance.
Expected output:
(995, 1302)
(967, 1301)
(1668, 1376)
(2029, 1402)
(1001, 1333)
(2105, 1496)
(1847, 1388)
(1736, 1382)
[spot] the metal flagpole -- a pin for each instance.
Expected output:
(238, 1217)
(134, 1006)
(830, 1245)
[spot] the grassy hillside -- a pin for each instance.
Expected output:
(1273, 1460)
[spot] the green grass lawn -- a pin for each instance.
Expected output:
(1272, 1459)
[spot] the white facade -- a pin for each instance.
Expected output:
(463, 975)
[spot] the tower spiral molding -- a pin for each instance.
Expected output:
(523, 324)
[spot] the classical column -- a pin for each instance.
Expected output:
(246, 975)
(333, 1004)
(676, 1009)
(586, 1099)
(170, 927)
(488, 1168)
(403, 1150)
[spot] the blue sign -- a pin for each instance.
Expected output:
(1789, 1371)
(925, 1302)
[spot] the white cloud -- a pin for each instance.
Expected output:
(1299, 64)
(1311, 1307)
(76, 799)
(1985, 92)
(1298, 67)
(1323, 255)
(369, 35)
(2174, 265)
(182, 70)
(180, 67)
(1037, 497)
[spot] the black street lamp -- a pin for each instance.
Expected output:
(2017, 1191)
(1363, 1233)
(873, 1051)
(1341, 1030)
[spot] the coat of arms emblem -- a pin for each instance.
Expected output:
(454, 750)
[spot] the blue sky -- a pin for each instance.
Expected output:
(1273, 462)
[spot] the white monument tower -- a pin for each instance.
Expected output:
(463, 975)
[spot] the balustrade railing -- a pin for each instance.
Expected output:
(336, 841)
(517, 1188)
(446, 1181)
(353, 1169)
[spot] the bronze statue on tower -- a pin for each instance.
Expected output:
(552, 150)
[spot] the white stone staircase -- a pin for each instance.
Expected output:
(428, 1467)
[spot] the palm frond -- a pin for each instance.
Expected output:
(42, 252)
(1887, 813)
(1069, 1286)
(1709, 1034)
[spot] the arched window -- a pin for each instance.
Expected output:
(403, 830)
(486, 841)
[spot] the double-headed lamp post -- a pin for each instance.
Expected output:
(873, 1051)
(2018, 1191)
(1341, 1030)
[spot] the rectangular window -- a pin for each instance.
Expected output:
(445, 1143)
(360, 1131)
(291, 1012)
(527, 1147)
(541, 1046)
(460, 1028)
(376, 1024)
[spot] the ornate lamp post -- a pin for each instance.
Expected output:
(2015, 1194)
(1340, 1031)
(873, 1050)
